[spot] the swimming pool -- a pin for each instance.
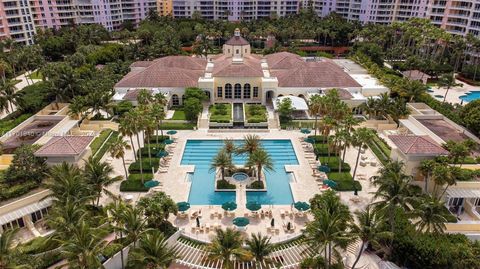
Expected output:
(470, 96)
(202, 192)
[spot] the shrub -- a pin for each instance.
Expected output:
(154, 150)
(99, 140)
(221, 113)
(17, 190)
(111, 249)
(122, 108)
(107, 145)
(344, 181)
(322, 150)
(34, 97)
(153, 138)
(223, 184)
(132, 186)
(146, 176)
(26, 167)
(333, 163)
(177, 126)
(146, 166)
(256, 113)
(256, 185)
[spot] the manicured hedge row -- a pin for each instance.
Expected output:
(153, 138)
(146, 176)
(132, 186)
(154, 150)
(223, 184)
(333, 162)
(135, 167)
(177, 126)
(345, 181)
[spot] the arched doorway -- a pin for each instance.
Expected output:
(302, 96)
(269, 95)
(175, 100)
(207, 93)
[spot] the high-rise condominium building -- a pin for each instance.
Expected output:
(20, 18)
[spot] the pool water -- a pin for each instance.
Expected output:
(240, 176)
(470, 96)
(202, 192)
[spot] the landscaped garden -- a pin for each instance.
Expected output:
(179, 113)
(255, 113)
(380, 148)
(220, 113)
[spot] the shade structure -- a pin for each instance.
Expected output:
(253, 206)
(151, 184)
(305, 131)
(241, 221)
(168, 141)
(324, 168)
(183, 206)
(301, 206)
(171, 132)
(330, 183)
(229, 206)
(162, 154)
(309, 140)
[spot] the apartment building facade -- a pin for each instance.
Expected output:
(19, 19)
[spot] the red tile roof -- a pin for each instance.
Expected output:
(415, 144)
(64, 146)
(237, 41)
(283, 60)
(250, 67)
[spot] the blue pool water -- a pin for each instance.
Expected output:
(470, 96)
(201, 152)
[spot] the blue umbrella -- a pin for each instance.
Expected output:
(168, 141)
(305, 131)
(309, 140)
(302, 206)
(324, 168)
(330, 183)
(253, 206)
(241, 221)
(183, 206)
(151, 184)
(162, 154)
(171, 132)
(229, 206)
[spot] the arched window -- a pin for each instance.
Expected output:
(175, 100)
(246, 91)
(237, 93)
(228, 91)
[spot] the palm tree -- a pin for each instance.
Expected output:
(250, 144)
(222, 161)
(426, 169)
(314, 108)
(261, 160)
(261, 248)
(6, 248)
(369, 229)
(394, 190)
(63, 218)
(67, 182)
(361, 137)
(448, 81)
(126, 129)
(115, 211)
(430, 215)
(8, 91)
(136, 124)
(159, 103)
(226, 247)
(152, 252)
(83, 246)
(97, 175)
(117, 150)
(370, 107)
(134, 223)
(229, 147)
(445, 175)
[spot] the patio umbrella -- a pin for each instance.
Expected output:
(302, 206)
(198, 221)
(162, 154)
(183, 206)
(151, 184)
(324, 168)
(171, 132)
(272, 222)
(330, 183)
(253, 206)
(168, 141)
(305, 131)
(241, 221)
(229, 206)
(309, 140)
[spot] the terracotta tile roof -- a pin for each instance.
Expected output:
(343, 94)
(323, 74)
(64, 146)
(237, 41)
(170, 71)
(283, 60)
(417, 145)
(131, 95)
(445, 130)
(415, 74)
(249, 67)
(142, 64)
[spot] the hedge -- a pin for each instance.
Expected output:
(255, 113)
(333, 162)
(344, 181)
(256, 185)
(12, 191)
(98, 141)
(8, 124)
(322, 150)
(132, 186)
(221, 113)
(146, 166)
(223, 184)
(154, 150)
(177, 125)
(107, 145)
(146, 176)
(153, 138)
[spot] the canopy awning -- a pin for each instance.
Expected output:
(463, 193)
(21, 212)
(298, 103)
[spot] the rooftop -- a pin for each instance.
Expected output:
(443, 129)
(64, 145)
(417, 145)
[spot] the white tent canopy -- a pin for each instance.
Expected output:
(298, 103)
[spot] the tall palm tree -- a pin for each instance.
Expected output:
(97, 175)
(126, 129)
(261, 160)
(229, 147)
(134, 223)
(361, 137)
(9, 92)
(6, 248)
(369, 229)
(152, 252)
(159, 103)
(67, 182)
(448, 81)
(394, 190)
(117, 150)
(115, 211)
(426, 169)
(430, 215)
(314, 108)
(227, 247)
(223, 162)
(136, 124)
(250, 144)
(260, 247)
(83, 246)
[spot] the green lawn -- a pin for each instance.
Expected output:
(107, 144)
(380, 149)
(166, 125)
(255, 113)
(98, 141)
(221, 113)
(297, 124)
(345, 181)
(179, 114)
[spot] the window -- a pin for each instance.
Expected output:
(246, 91)
(219, 91)
(238, 91)
(237, 52)
(455, 201)
(228, 91)
(255, 92)
(245, 50)
(175, 100)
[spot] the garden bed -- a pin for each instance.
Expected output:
(133, 186)
(333, 163)
(146, 166)
(380, 149)
(154, 150)
(99, 140)
(345, 181)
(221, 113)
(255, 113)
(179, 114)
(166, 125)
(106, 147)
